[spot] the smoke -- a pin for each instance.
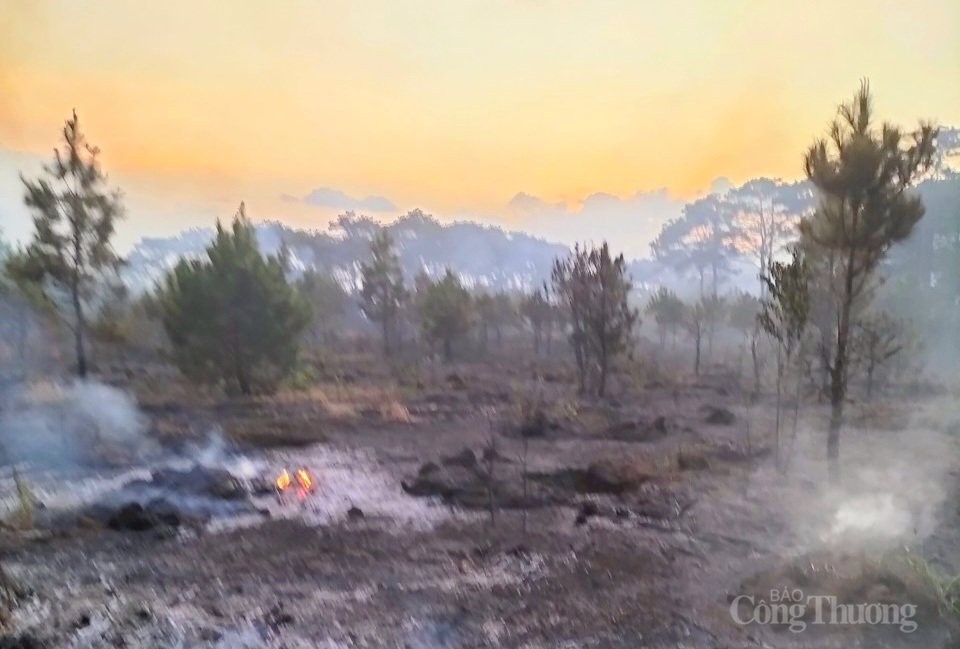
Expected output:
(873, 514)
(895, 483)
(218, 453)
(49, 423)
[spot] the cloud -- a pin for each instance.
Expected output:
(524, 202)
(334, 198)
(720, 185)
(629, 223)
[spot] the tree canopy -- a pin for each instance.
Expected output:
(232, 317)
(595, 287)
(446, 312)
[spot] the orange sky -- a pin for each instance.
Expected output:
(456, 105)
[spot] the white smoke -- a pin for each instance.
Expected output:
(217, 452)
(56, 424)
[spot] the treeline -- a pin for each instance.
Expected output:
(238, 318)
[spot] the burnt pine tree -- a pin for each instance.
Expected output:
(784, 313)
(667, 311)
(595, 287)
(714, 311)
(74, 214)
(878, 338)
(446, 312)
(538, 311)
(695, 319)
(610, 321)
(382, 292)
(486, 308)
(742, 316)
(862, 173)
(572, 283)
(232, 318)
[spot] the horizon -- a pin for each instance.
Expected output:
(578, 122)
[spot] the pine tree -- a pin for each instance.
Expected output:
(595, 287)
(667, 311)
(505, 314)
(74, 219)
(537, 311)
(446, 312)
(742, 316)
(695, 318)
(714, 312)
(783, 315)
(486, 308)
(232, 317)
(862, 174)
(382, 291)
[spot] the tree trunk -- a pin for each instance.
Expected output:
(447, 350)
(740, 352)
(581, 362)
(696, 358)
(240, 374)
(602, 387)
(78, 330)
(870, 370)
(838, 374)
(796, 409)
(778, 457)
(755, 356)
(824, 373)
(833, 440)
(837, 396)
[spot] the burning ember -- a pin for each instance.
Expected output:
(300, 480)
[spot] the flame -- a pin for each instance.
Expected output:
(304, 482)
(304, 479)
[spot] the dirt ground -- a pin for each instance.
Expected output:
(704, 516)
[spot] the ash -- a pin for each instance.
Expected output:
(395, 545)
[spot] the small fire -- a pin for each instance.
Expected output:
(304, 480)
(301, 480)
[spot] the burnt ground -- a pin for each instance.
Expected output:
(697, 515)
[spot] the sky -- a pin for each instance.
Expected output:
(568, 118)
